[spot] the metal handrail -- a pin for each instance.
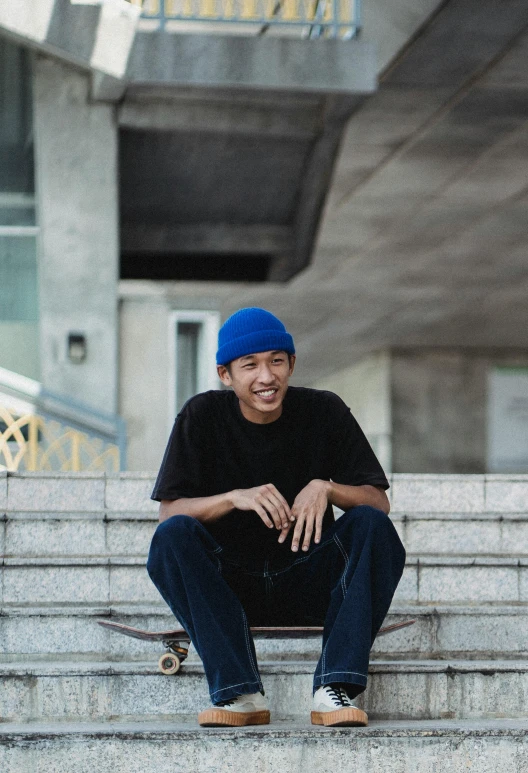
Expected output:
(40, 430)
(329, 18)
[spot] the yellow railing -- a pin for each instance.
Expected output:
(337, 13)
(33, 443)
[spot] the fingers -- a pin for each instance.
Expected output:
(284, 507)
(275, 505)
(297, 532)
(318, 530)
(285, 531)
(308, 525)
(308, 531)
(264, 516)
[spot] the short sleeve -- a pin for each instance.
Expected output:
(355, 463)
(182, 470)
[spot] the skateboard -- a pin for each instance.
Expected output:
(170, 661)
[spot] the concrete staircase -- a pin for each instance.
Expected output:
(448, 693)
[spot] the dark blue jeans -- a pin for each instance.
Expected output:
(346, 583)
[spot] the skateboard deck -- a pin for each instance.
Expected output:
(170, 662)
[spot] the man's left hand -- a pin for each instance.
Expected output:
(308, 509)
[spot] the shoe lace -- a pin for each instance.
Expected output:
(223, 704)
(338, 695)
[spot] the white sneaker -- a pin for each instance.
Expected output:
(332, 706)
(243, 710)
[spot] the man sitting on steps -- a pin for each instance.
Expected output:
(247, 534)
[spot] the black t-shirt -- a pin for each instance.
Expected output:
(213, 449)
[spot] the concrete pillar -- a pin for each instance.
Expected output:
(144, 379)
(78, 257)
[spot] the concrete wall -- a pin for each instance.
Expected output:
(390, 25)
(76, 170)
(365, 388)
(145, 401)
(439, 408)
(144, 380)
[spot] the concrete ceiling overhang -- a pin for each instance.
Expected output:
(424, 239)
(216, 172)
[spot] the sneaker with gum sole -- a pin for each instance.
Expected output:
(333, 707)
(240, 711)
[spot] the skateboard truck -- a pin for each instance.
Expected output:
(170, 661)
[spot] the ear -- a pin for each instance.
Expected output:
(291, 358)
(224, 375)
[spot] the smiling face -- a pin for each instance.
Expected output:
(260, 382)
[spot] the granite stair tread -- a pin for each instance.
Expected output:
(295, 747)
(190, 728)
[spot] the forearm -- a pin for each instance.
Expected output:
(345, 497)
(202, 508)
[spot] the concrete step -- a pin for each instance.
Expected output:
(106, 533)
(130, 493)
(64, 690)
(150, 747)
(114, 579)
(451, 631)
(89, 514)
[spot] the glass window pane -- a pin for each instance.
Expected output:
(18, 279)
(17, 206)
(187, 353)
(17, 209)
(16, 129)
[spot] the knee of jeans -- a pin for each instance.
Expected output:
(175, 527)
(168, 536)
(371, 517)
(173, 532)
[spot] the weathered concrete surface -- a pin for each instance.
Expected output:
(95, 34)
(56, 492)
(93, 691)
(143, 747)
(76, 168)
(124, 580)
(446, 393)
(95, 675)
(479, 631)
(263, 62)
(391, 25)
(3, 490)
(424, 235)
(66, 534)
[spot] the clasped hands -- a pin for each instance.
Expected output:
(305, 515)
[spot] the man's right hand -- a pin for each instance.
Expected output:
(268, 503)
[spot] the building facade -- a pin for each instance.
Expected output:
(158, 173)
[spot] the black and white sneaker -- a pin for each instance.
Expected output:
(333, 707)
(243, 710)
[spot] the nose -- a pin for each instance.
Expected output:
(265, 376)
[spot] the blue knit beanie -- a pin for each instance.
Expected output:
(249, 331)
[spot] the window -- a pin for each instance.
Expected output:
(193, 341)
(508, 419)
(18, 229)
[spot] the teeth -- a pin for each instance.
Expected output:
(267, 393)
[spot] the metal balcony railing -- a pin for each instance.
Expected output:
(43, 431)
(310, 18)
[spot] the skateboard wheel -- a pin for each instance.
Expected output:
(169, 664)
